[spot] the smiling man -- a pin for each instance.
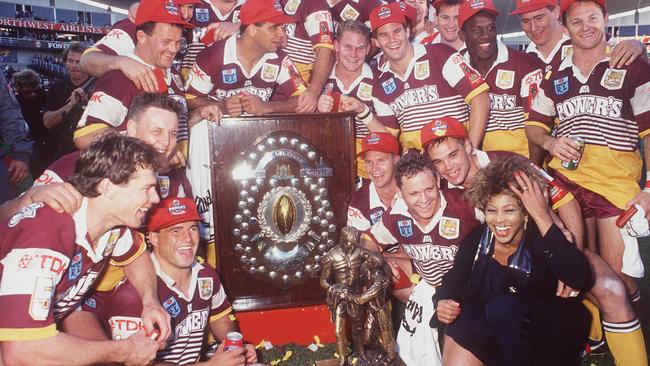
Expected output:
(159, 32)
(447, 24)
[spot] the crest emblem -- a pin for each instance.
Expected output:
(389, 86)
(291, 6)
(375, 217)
(613, 79)
(112, 240)
(176, 208)
(229, 76)
(421, 70)
(270, 72)
(27, 212)
(561, 85)
(470, 73)
(202, 15)
(505, 79)
(364, 91)
(163, 185)
(205, 288)
(405, 228)
(567, 51)
(75, 266)
(349, 13)
(449, 227)
(172, 307)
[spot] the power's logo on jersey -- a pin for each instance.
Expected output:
(27, 212)
(229, 76)
(205, 288)
(561, 85)
(389, 86)
(449, 228)
(172, 307)
(405, 228)
(75, 267)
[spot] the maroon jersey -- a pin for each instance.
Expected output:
(366, 209)
(559, 52)
(120, 310)
(352, 9)
(48, 266)
(513, 80)
(120, 40)
(609, 109)
(112, 95)
(204, 15)
(433, 247)
(219, 74)
(438, 83)
(313, 28)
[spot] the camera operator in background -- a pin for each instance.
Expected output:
(65, 102)
(31, 99)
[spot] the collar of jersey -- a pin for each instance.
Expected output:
(568, 62)
(217, 12)
(366, 72)
(532, 48)
(230, 57)
(502, 55)
(168, 73)
(399, 208)
(196, 267)
(418, 51)
(81, 233)
(375, 201)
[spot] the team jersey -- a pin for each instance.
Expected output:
(313, 28)
(560, 51)
(119, 41)
(513, 80)
(438, 82)
(433, 247)
(120, 311)
(609, 109)
(352, 10)
(366, 208)
(48, 266)
(204, 15)
(218, 74)
(113, 93)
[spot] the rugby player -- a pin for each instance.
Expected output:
(422, 82)
(428, 224)
(159, 30)
(351, 76)
(611, 123)
(50, 260)
(513, 78)
(447, 23)
(457, 163)
(358, 10)
(190, 291)
(310, 44)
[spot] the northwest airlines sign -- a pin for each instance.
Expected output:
(61, 27)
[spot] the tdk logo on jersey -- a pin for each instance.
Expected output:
(172, 307)
(405, 228)
(229, 76)
(75, 267)
(389, 86)
(561, 85)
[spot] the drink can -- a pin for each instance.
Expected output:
(573, 164)
(233, 341)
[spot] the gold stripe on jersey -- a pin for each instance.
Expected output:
(539, 124)
(110, 279)
(91, 49)
(506, 140)
(27, 334)
(612, 174)
(480, 89)
(141, 249)
(87, 130)
(221, 314)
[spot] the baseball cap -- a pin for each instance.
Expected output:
(188, 2)
(470, 7)
(410, 13)
(441, 128)
(526, 6)
(565, 4)
(379, 141)
(384, 14)
(159, 11)
(255, 11)
(172, 211)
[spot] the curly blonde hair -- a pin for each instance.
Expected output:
(495, 177)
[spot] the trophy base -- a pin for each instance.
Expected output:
(372, 357)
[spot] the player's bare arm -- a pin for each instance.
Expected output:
(98, 63)
(478, 118)
(324, 61)
(62, 197)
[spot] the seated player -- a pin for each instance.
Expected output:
(50, 260)
(189, 291)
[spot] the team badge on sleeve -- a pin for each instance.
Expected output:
(172, 307)
(421, 70)
(389, 86)
(505, 79)
(27, 212)
(613, 79)
(229, 76)
(561, 85)
(448, 227)
(205, 288)
(405, 228)
(74, 271)
(202, 15)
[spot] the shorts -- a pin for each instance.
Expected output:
(591, 203)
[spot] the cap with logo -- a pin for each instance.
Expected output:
(410, 13)
(270, 11)
(188, 2)
(441, 128)
(384, 14)
(380, 141)
(469, 8)
(526, 6)
(565, 4)
(172, 211)
(160, 11)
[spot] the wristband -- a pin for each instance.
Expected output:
(366, 116)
